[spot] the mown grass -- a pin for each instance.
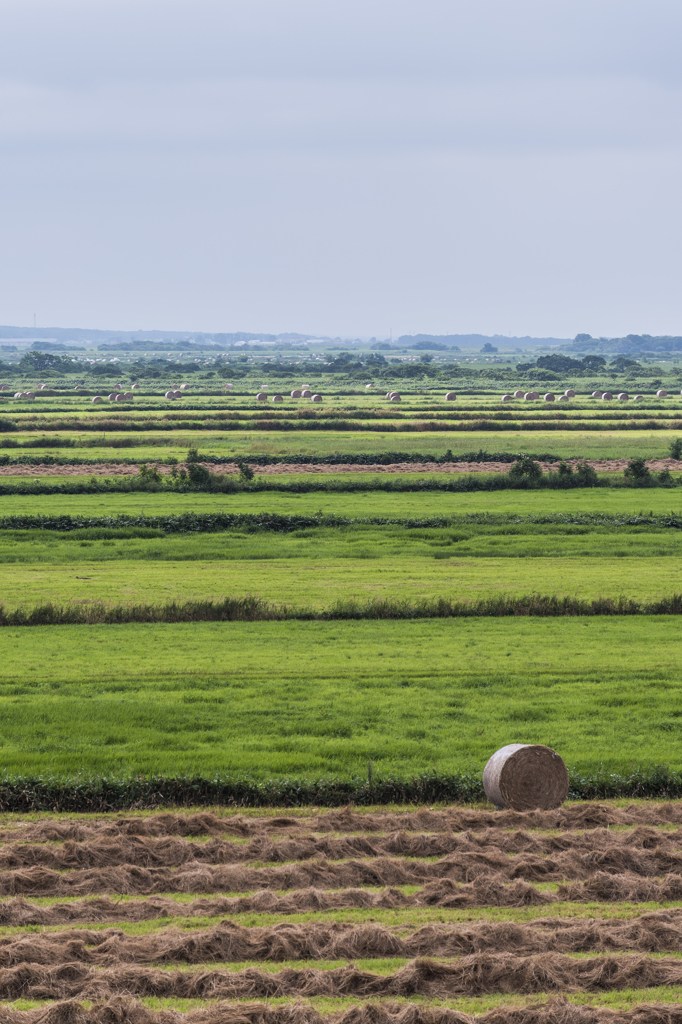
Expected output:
(310, 699)
(370, 503)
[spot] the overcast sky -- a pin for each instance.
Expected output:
(344, 167)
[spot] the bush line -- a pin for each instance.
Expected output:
(110, 793)
(337, 459)
(209, 522)
(254, 609)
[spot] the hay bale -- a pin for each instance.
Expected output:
(229, 387)
(306, 393)
(597, 394)
(134, 386)
(97, 398)
(623, 396)
(369, 385)
(518, 394)
(563, 398)
(120, 398)
(549, 397)
(277, 398)
(261, 397)
(526, 777)
(506, 398)
(296, 393)
(638, 398)
(184, 387)
(129, 396)
(177, 393)
(169, 394)
(113, 396)
(531, 396)
(18, 394)
(661, 394)
(451, 396)
(29, 394)
(316, 398)
(607, 397)
(264, 387)
(569, 393)
(389, 394)
(396, 398)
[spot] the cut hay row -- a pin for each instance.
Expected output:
(479, 974)
(345, 820)
(641, 850)
(656, 932)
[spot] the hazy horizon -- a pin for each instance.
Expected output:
(375, 168)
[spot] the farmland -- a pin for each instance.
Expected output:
(303, 915)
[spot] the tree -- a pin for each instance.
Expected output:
(488, 348)
(33, 361)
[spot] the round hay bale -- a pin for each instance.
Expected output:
(518, 394)
(120, 398)
(597, 394)
(638, 398)
(316, 398)
(169, 394)
(184, 387)
(113, 396)
(569, 393)
(451, 396)
(18, 394)
(389, 394)
(229, 387)
(661, 394)
(134, 386)
(369, 385)
(29, 394)
(562, 398)
(261, 397)
(306, 393)
(549, 397)
(277, 398)
(506, 398)
(623, 396)
(97, 398)
(395, 398)
(526, 777)
(531, 396)
(129, 396)
(264, 387)
(607, 397)
(296, 393)
(177, 393)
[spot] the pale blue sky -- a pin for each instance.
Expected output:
(342, 166)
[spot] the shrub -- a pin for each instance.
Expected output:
(676, 448)
(638, 472)
(148, 474)
(526, 469)
(586, 475)
(246, 474)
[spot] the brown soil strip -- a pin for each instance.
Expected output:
(659, 932)
(125, 1010)
(486, 891)
(228, 469)
(479, 974)
(346, 820)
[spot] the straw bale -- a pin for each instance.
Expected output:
(607, 397)
(549, 397)
(597, 394)
(296, 393)
(506, 398)
(623, 396)
(396, 398)
(562, 398)
(277, 398)
(113, 396)
(29, 394)
(229, 387)
(97, 398)
(531, 396)
(569, 393)
(261, 397)
(133, 386)
(306, 393)
(450, 397)
(518, 394)
(526, 777)
(169, 394)
(369, 385)
(120, 398)
(661, 394)
(316, 398)
(638, 398)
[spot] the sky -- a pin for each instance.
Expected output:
(342, 167)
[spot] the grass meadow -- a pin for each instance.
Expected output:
(309, 699)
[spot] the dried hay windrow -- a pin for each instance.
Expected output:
(475, 975)
(657, 932)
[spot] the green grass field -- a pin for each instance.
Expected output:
(311, 698)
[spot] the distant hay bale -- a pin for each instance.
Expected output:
(97, 398)
(316, 398)
(229, 387)
(607, 397)
(451, 396)
(531, 396)
(29, 394)
(296, 393)
(369, 385)
(569, 393)
(661, 394)
(261, 397)
(177, 393)
(549, 397)
(133, 386)
(518, 394)
(396, 398)
(638, 398)
(277, 398)
(526, 777)
(129, 396)
(264, 387)
(306, 393)
(506, 398)
(169, 394)
(184, 387)
(623, 396)
(562, 398)
(18, 394)
(120, 398)
(113, 396)
(597, 394)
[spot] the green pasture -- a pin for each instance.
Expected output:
(307, 699)
(410, 505)
(600, 443)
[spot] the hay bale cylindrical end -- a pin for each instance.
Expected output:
(526, 777)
